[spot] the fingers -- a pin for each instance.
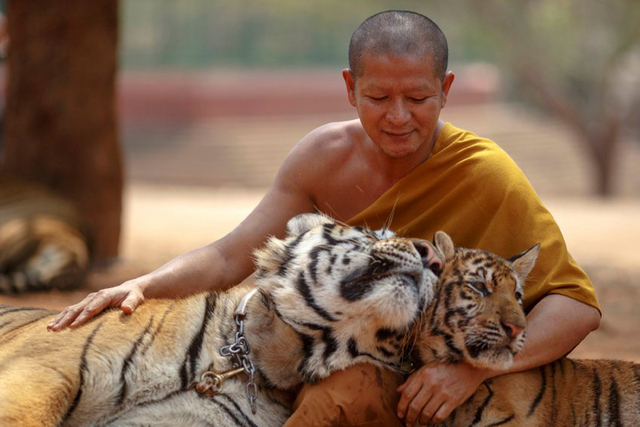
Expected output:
(131, 302)
(441, 414)
(434, 391)
(98, 303)
(409, 390)
(69, 314)
(429, 411)
(78, 314)
(422, 408)
(419, 402)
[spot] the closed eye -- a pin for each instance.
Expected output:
(383, 233)
(519, 297)
(479, 287)
(418, 100)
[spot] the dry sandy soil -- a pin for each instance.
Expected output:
(162, 222)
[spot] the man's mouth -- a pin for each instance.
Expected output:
(399, 135)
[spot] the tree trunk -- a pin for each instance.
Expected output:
(604, 155)
(60, 122)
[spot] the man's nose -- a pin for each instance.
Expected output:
(398, 113)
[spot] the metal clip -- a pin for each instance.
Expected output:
(241, 310)
(210, 382)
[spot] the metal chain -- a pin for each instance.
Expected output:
(238, 353)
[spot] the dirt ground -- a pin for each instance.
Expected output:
(162, 222)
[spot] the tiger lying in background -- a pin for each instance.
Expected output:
(43, 244)
(477, 317)
(329, 296)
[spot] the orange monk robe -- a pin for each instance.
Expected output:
(470, 188)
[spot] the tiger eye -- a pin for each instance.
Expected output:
(480, 287)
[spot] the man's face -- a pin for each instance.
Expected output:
(398, 99)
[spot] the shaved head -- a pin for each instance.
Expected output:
(398, 32)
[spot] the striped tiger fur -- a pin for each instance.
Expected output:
(43, 243)
(329, 296)
(474, 316)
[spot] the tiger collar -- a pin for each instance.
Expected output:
(210, 383)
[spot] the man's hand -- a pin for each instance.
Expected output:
(555, 325)
(127, 296)
(432, 392)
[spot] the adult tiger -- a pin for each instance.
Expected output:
(328, 296)
(477, 316)
(43, 242)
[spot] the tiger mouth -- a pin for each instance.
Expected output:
(375, 277)
(369, 274)
(357, 286)
(476, 349)
(435, 269)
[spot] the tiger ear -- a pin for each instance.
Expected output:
(304, 222)
(444, 243)
(523, 262)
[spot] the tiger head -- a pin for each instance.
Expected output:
(349, 293)
(477, 314)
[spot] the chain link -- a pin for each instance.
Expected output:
(238, 353)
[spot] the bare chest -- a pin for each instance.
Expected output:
(343, 196)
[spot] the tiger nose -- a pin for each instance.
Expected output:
(430, 258)
(512, 330)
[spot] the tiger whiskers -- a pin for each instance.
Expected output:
(387, 224)
(409, 342)
(334, 215)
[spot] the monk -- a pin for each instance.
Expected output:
(397, 158)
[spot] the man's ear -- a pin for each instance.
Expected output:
(349, 80)
(449, 77)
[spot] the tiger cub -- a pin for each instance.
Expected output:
(324, 295)
(43, 242)
(477, 317)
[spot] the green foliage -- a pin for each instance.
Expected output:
(582, 50)
(579, 41)
(248, 33)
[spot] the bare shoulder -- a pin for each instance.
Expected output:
(332, 139)
(327, 160)
(326, 148)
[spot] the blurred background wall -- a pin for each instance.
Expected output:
(215, 93)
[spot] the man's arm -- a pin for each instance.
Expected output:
(219, 265)
(554, 327)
